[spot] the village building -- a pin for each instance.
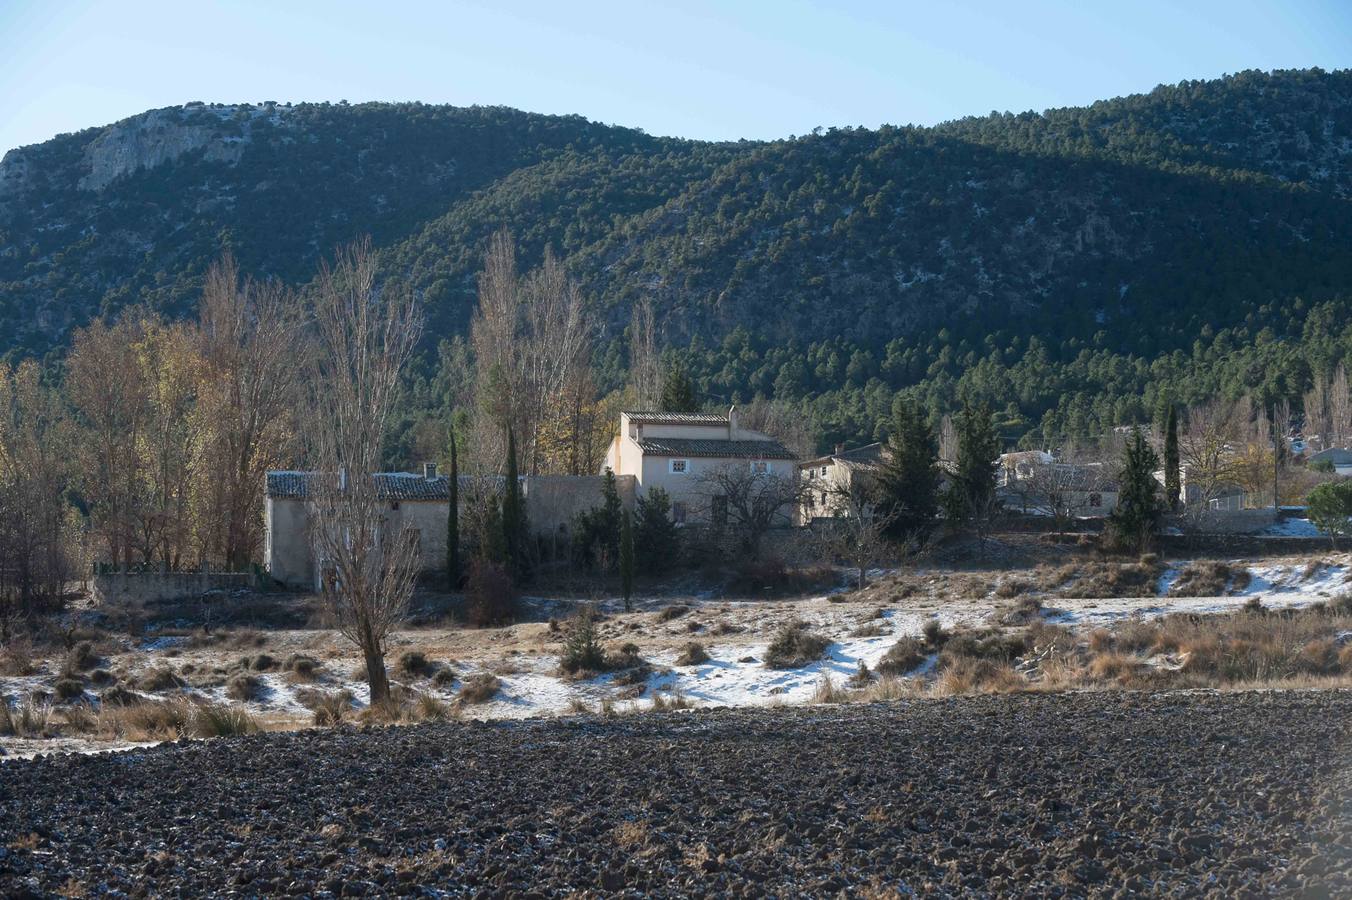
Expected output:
(419, 502)
(678, 452)
(827, 480)
(1337, 457)
(1035, 482)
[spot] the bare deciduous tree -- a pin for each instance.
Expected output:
(856, 531)
(1206, 448)
(363, 339)
(645, 366)
(247, 334)
(749, 503)
(529, 336)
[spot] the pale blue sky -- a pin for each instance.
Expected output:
(694, 69)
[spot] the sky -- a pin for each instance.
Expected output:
(697, 68)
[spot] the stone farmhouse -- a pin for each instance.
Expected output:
(678, 451)
(825, 478)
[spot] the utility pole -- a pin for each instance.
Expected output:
(1278, 438)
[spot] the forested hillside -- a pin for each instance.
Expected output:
(1074, 269)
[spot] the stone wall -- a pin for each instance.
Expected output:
(1228, 521)
(552, 501)
(150, 587)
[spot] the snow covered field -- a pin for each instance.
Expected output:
(735, 635)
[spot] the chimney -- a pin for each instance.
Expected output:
(429, 470)
(732, 423)
(840, 448)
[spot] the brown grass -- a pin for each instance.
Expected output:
(693, 654)
(1203, 578)
(794, 646)
(479, 688)
(902, 657)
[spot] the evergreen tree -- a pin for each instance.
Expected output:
(1173, 475)
(971, 493)
(453, 521)
(494, 548)
(515, 531)
(656, 537)
(1139, 508)
(908, 480)
(678, 391)
(626, 560)
(596, 532)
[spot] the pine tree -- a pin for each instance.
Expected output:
(453, 521)
(514, 527)
(1139, 508)
(1173, 476)
(627, 560)
(908, 480)
(656, 537)
(971, 493)
(678, 392)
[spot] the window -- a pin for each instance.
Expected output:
(1095, 500)
(394, 504)
(678, 513)
(680, 466)
(823, 498)
(719, 509)
(760, 467)
(823, 471)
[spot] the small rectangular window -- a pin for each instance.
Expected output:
(760, 467)
(823, 471)
(680, 466)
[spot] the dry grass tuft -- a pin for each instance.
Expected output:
(902, 657)
(693, 655)
(1203, 578)
(794, 646)
(479, 688)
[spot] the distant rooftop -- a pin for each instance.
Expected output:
(389, 485)
(698, 447)
(866, 455)
(676, 418)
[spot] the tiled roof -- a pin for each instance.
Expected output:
(389, 485)
(868, 454)
(661, 446)
(676, 418)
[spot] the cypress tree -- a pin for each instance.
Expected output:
(627, 560)
(972, 491)
(453, 522)
(908, 479)
(1139, 508)
(1173, 475)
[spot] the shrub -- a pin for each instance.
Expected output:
(117, 695)
(934, 633)
(674, 611)
(795, 646)
(582, 650)
(626, 658)
(158, 679)
(693, 654)
(1202, 578)
(490, 595)
(444, 677)
(302, 667)
(101, 677)
(1026, 611)
(828, 692)
(871, 629)
(414, 664)
(68, 689)
(81, 658)
(968, 675)
(861, 678)
(902, 657)
(328, 707)
(16, 659)
(479, 688)
(244, 687)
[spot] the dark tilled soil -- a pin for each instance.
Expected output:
(1042, 795)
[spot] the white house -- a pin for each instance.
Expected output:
(678, 451)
